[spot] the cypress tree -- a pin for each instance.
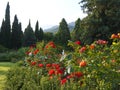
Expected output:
(38, 32)
(2, 42)
(41, 34)
(63, 34)
(76, 31)
(16, 41)
(29, 36)
(7, 28)
(20, 43)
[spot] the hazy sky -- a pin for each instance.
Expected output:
(47, 12)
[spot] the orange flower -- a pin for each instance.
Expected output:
(92, 46)
(50, 44)
(113, 36)
(83, 63)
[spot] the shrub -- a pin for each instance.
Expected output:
(88, 67)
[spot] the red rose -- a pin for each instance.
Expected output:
(51, 72)
(63, 81)
(33, 63)
(48, 65)
(40, 65)
(78, 42)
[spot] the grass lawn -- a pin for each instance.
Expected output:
(4, 67)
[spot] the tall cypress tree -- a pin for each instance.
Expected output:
(7, 28)
(16, 41)
(29, 36)
(76, 31)
(41, 34)
(37, 30)
(20, 43)
(2, 41)
(63, 34)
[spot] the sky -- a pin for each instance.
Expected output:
(47, 12)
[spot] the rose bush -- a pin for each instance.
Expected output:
(88, 67)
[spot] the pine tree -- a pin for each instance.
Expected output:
(63, 34)
(29, 36)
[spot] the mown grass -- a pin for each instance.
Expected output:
(4, 67)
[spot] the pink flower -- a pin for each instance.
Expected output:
(82, 49)
(102, 42)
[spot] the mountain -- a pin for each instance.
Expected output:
(55, 28)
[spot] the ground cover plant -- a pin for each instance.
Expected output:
(4, 67)
(88, 67)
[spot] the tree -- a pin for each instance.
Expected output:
(76, 31)
(41, 33)
(103, 17)
(20, 35)
(38, 32)
(16, 41)
(6, 28)
(48, 36)
(2, 33)
(63, 34)
(29, 36)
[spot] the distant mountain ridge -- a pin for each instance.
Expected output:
(55, 28)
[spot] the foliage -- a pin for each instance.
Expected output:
(13, 56)
(76, 31)
(4, 67)
(88, 67)
(38, 32)
(29, 36)
(3, 49)
(16, 35)
(102, 19)
(63, 34)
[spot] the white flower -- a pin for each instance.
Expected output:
(30, 54)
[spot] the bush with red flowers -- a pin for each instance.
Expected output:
(88, 67)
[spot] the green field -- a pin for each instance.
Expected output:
(4, 67)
